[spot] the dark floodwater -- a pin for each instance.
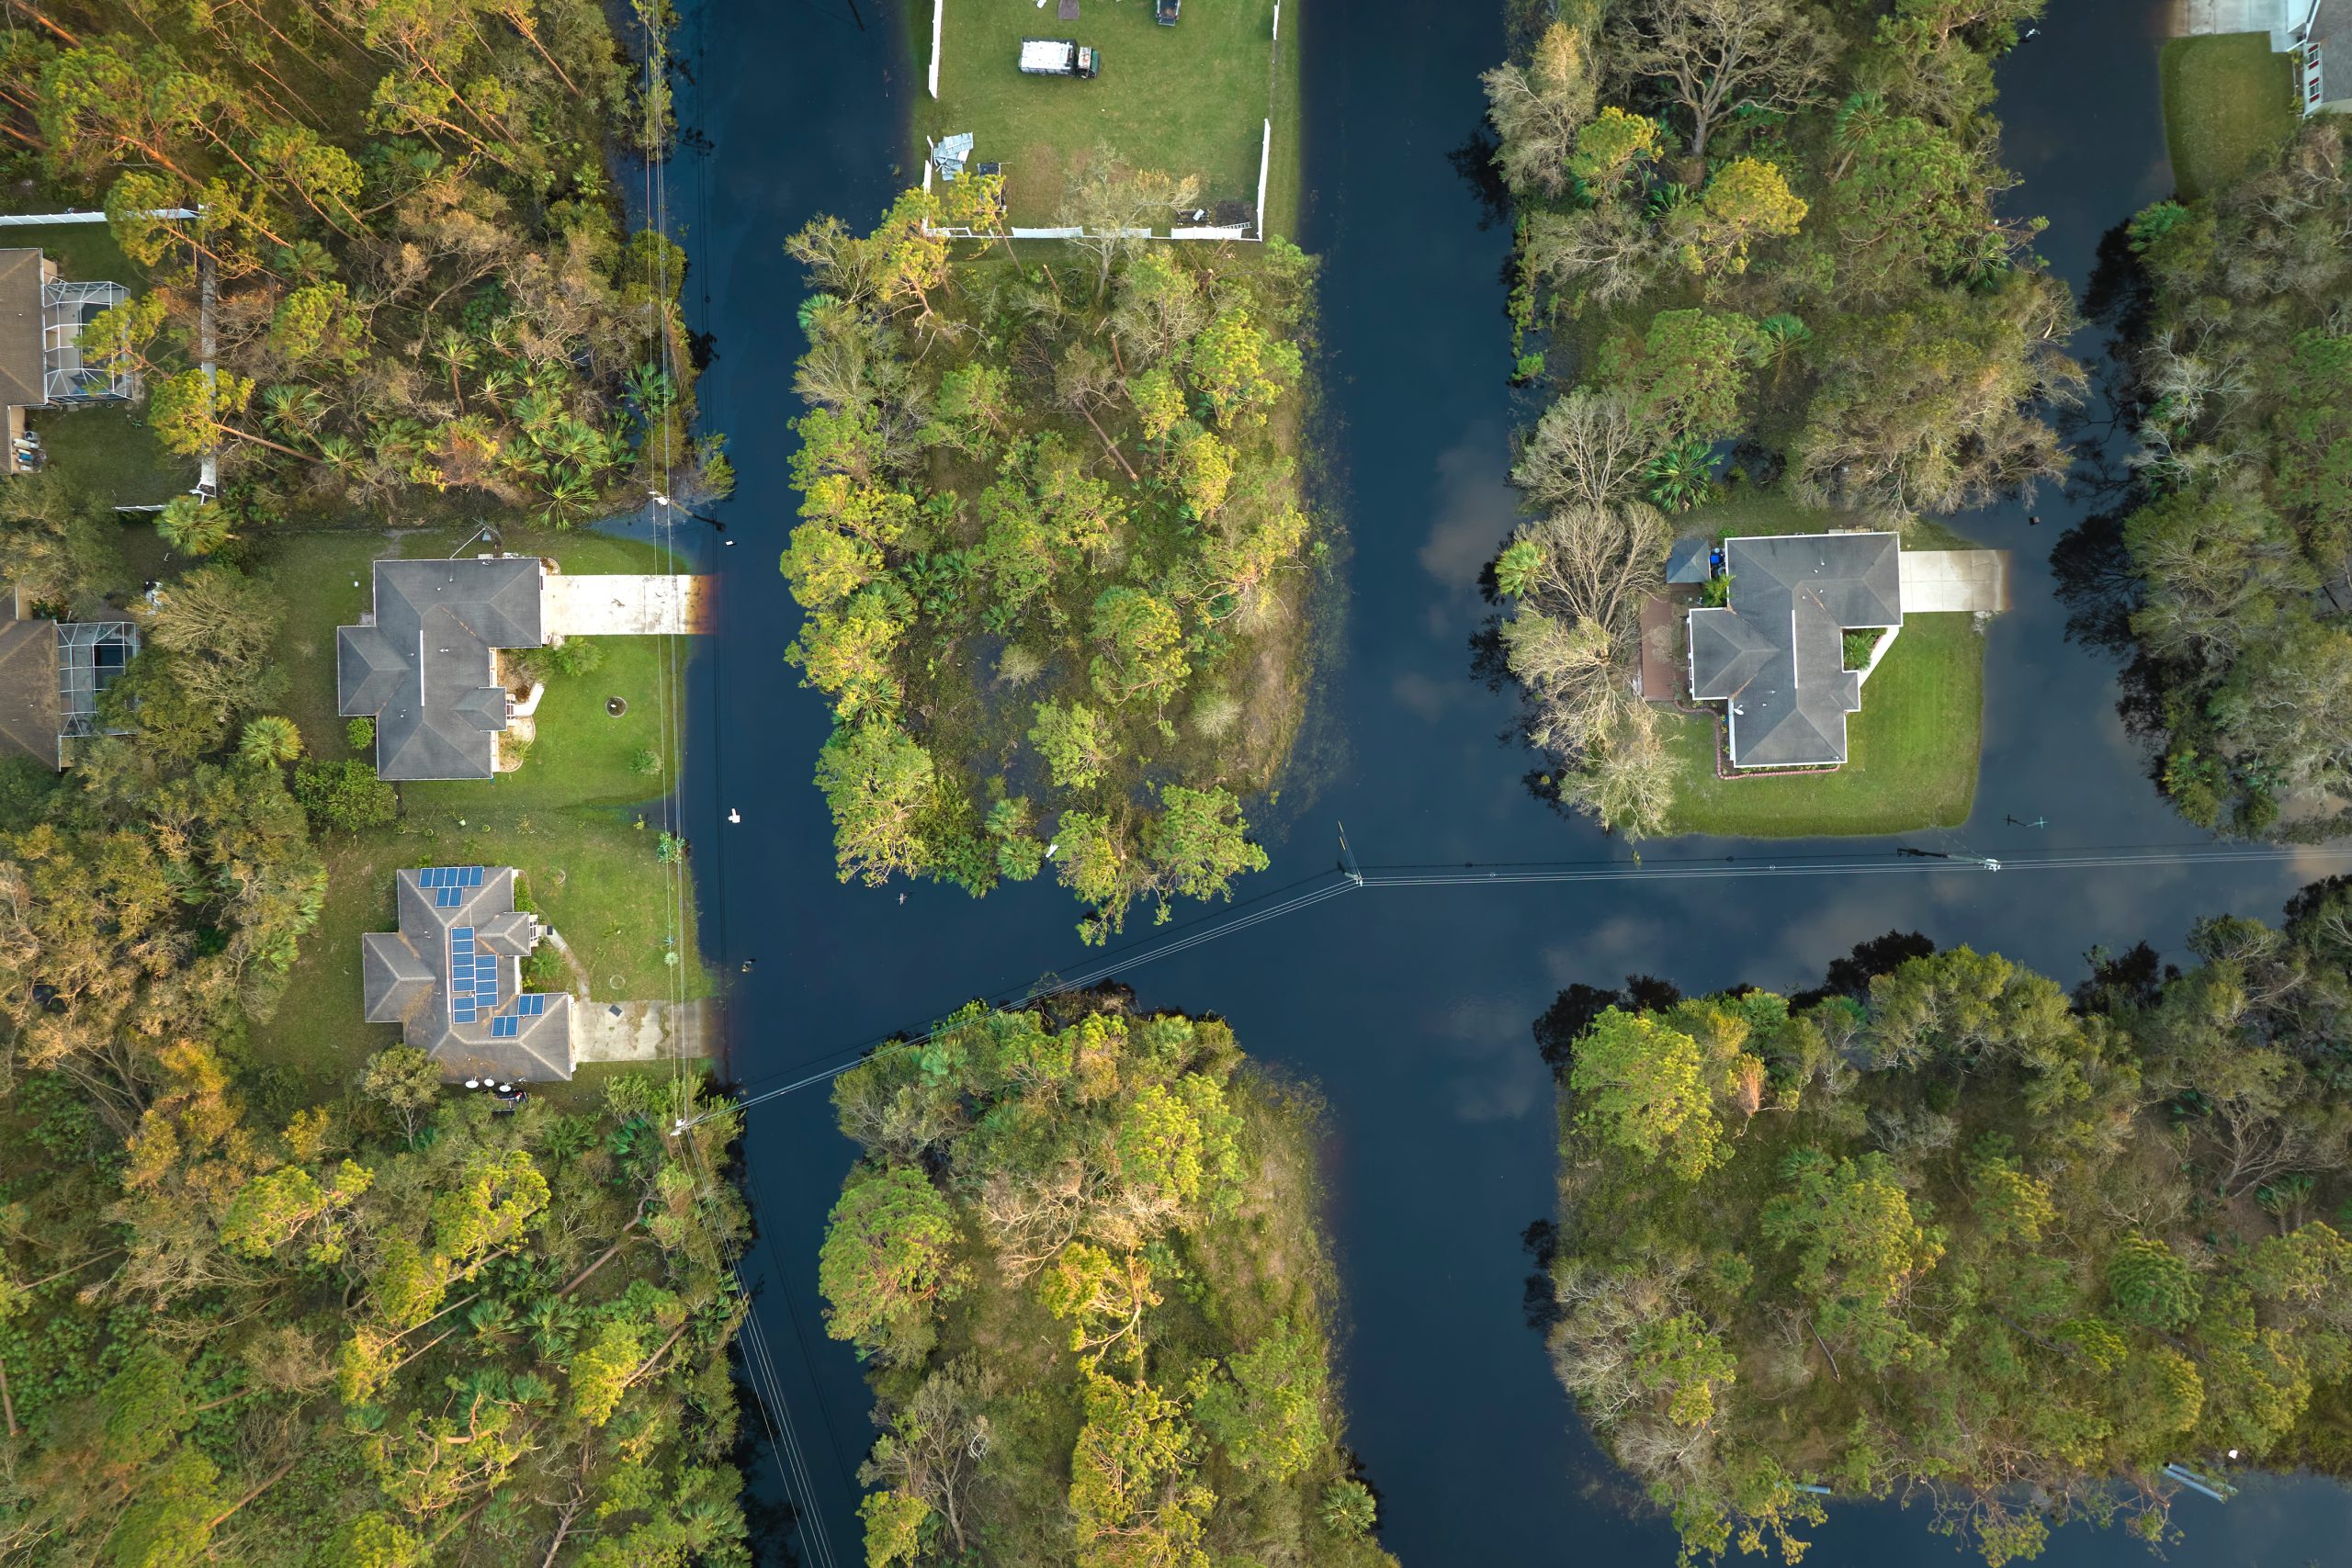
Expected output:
(1411, 1006)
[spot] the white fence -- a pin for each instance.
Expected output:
(1250, 231)
(937, 19)
(1265, 157)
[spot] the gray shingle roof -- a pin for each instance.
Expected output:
(1687, 560)
(28, 706)
(20, 329)
(1775, 655)
(2331, 28)
(423, 670)
(452, 979)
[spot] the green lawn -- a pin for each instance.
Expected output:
(564, 818)
(1188, 100)
(2228, 101)
(106, 450)
(1913, 749)
(85, 253)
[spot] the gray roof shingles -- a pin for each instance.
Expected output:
(21, 356)
(404, 980)
(1775, 655)
(424, 671)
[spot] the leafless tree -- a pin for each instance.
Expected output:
(1587, 451)
(1715, 56)
(1537, 107)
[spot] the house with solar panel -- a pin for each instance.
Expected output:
(452, 979)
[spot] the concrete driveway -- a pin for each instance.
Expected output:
(620, 605)
(1974, 580)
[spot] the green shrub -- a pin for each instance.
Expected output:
(345, 795)
(577, 656)
(360, 733)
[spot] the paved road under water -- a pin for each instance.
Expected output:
(1411, 1006)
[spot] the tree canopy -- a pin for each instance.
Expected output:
(422, 279)
(2227, 576)
(1052, 549)
(1760, 251)
(1080, 1259)
(1943, 1226)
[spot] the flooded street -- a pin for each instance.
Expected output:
(1411, 1006)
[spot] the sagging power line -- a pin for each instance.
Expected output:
(1351, 877)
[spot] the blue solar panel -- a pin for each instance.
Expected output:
(531, 1004)
(473, 875)
(461, 933)
(462, 1015)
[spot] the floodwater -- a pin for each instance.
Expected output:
(1411, 1006)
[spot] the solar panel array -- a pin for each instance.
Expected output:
(531, 1004)
(505, 1027)
(448, 883)
(473, 976)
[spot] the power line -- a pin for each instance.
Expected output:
(1078, 983)
(1472, 874)
(1502, 874)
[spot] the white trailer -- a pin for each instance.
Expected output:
(1059, 57)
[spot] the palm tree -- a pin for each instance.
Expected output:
(340, 453)
(1680, 477)
(569, 494)
(456, 353)
(294, 410)
(269, 740)
(652, 390)
(193, 526)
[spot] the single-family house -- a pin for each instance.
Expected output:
(451, 977)
(1774, 654)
